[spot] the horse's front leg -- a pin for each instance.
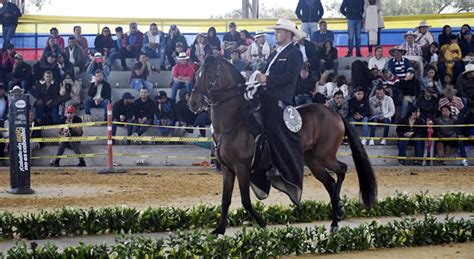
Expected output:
(228, 187)
(243, 176)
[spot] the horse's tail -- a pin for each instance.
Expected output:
(365, 173)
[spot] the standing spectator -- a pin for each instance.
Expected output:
(59, 40)
(378, 61)
(140, 72)
(21, 74)
(174, 37)
(410, 131)
(9, 14)
(131, 45)
(338, 104)
(323, 35)
(70, 91)
(51, 47)
(47, 93)
(464, 28)
(183, 74)
(431, 57)
(428, 104)
(424, 38)
(373, 22)
(81, 40)
(231, 40)
(445, 35)
(103, 42)
(329, 57)
(454, 102)
(309, 12)
(213, 41)
(309, 52)
(75, 54)
(467, 46)
(70, 132)
(359, 111)
(122, 111)
(165, 114)
(353, 10)
(382, 110)
(115, 52)
(259, 51)
(154, 42)
(99, 94)
(98, 64)
(238, 63)
(200, 49)
(305, 87)
(144, 114)
(8, 60)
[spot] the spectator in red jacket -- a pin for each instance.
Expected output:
(132, 42)
(59, 40)
(8, 59)
(183, 73)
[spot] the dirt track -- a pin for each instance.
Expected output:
(142, 188)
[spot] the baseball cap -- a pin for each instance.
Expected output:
(161, 94)
(70, 109)
(128, 96)
(98, 55)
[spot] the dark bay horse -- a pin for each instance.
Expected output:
(220, 85)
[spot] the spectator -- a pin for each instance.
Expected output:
(200, 49)
(144, 108)
(8, 59)
(103, 42)
(174, 56)
(154, 42)
(444, 148)
(305, 87)
(445, 35)
(47, 93)
(70, 91)
(65, 66)
(309, 12)
(99, 94)
(174, 37)
(213, 41)
(51, 48)
(165, 114)
(116, 51)
(75, 54)
(338, 104)
(51, 64)
(81, 41)
(59, 40)
(9, 14)
(70, 132)
(259, 52)
(184, 116)
(183, 74)
(323, 35)
(431, 57)
(373, 22)
(246, 41)
(131, 45)
(231, 40)
(353, 10)
(309, 51)
(21, 74)
(361, 77)
(203, 119)
(341, 85)
(389, 79)
(378, 61)
(122, 111)
(428, 104)
(431, 80)
(359, 111)
(424, 38)
(329, 57)
(96, 65)
(464, 28)
(451, 58)
(454, 102)
(413, 52)
(382, 110)
(321, 84)
(467, 46)
(140, 73)
(465, 86)
(236, 61)
(410, 131)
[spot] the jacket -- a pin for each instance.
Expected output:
(78, 54)
(385, 108)
(352, 9)
(119, 108)
(428, 108)
(309, 12)
(45, 93)
(419, 131)
(104, 94)
(23, 72)
(13, 13)
(144, 109)
(138, 42)
(361, 107)
(166, 110)
(311, 54)
(72, 92)
(465, 87)
(102, 42)
(8, 61)
(146, 40)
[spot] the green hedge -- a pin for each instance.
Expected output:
(263, 243)
(67, 221)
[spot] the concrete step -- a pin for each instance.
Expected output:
(116, 66)
(118, 92)
(344, 62)
(121, 79)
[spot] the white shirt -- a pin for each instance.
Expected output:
(380, 63)
(99, 90)
(71, 55)
(278, 50)
(303, 51)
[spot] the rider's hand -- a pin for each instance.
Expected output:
(262, 79)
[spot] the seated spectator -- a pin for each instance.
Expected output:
(448, 81)
(99, 94)
(245, 41)
(411, 120)
(183, 74)
(445, 35)
(59, 40)
(259, 52)
(450, 99)
(132, 43)
(326, 84)
(214, 41)
(174, 56)
(382, 110)
(103, 42)
(424, 38)
(305, 87)
(231, 40)
(428, 104)
(341, 85)
(98, 64)
(329, 57)
(70, 91)
(323, 35)
(21, 74)
(70, 132)
(122, 111)
(199, 50)
(451, 56)
(51, 64)
(144, 114)
(444, 148)
(388, 78)
(184, 116)
(154, 42)
(51, 48)
(431, 79)
(464, 28)
(431, 57)
(203, 119)
(467, 47)
(174, 37)
(165, 113)
(65, 66)
(140, 73)
(81, 41)
(115, 52)
(413, 52)
(237, 62)
(47, 94)
(310, 54)
(465, 86)
(75, 54)
(378, 61)
(338, 104)
(359, 111)
(8, 59)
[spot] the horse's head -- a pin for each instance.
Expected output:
(215, 76)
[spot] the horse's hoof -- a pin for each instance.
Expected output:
(333, 229)
(218, 231)
(262, 224)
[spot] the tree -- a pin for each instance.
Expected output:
(264, 13)
(36, 4)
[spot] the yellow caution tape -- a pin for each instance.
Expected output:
(62, 126)
(159, 126)
(412, 158)
(163, 139)
(414, 126)
(163, 156)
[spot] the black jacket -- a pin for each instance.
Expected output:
(46, 94)
(352, 9)
(281, 82)
(311, 53)
(361, 107)
(428, 108)
(120, 108)
(144, 109)
(309, 13)
(23, 72)
(104, 94)
(419, 131)
(183, 113)
(10, 14)
(305, 86)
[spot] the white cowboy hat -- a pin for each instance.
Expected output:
(182, 56)
(287, 25)
(468, 68)
(260, 33)
(17, 89)
(412, 33)
(303, 34)
(423, 23)
(399, 48)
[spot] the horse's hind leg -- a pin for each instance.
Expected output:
(244, 185)
(228, 187)
(340, 171)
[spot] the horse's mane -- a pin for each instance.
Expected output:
(211, 60)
